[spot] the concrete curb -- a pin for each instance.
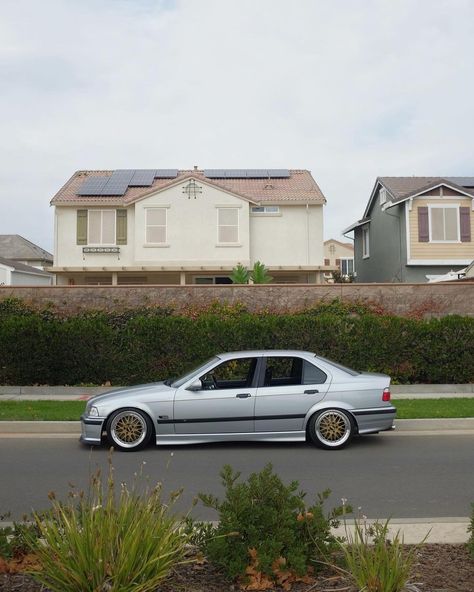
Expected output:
(408, 426)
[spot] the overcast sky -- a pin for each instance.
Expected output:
(349, 89)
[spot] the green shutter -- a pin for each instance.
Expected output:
(121, 227)
(81, 233)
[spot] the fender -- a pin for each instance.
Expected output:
(328, 404)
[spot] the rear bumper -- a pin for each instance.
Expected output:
(379, 419)
(91, 430)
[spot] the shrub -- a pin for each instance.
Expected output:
(375, 563)
(266, 528)
(145, 345)
(117, 539)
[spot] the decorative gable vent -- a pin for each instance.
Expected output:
(382, 195)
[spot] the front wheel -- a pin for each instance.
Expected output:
(129, 429)
(331, 429)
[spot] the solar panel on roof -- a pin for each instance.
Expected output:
(118, 182)
(142, 178)
(92, 186)
(257, 173)
(166, 173)
(278, 173)
(215, 173)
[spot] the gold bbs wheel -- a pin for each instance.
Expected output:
(129, 429)
(331, 428)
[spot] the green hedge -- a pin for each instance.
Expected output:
(40, 347)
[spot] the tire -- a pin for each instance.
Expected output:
(129, 430)
(331, 429)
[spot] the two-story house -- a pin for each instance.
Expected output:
(413, 227)
(340, 255)
(155, 226)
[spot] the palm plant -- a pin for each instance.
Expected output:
(240, 275)
(260, 274)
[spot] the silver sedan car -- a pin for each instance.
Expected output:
(276, 396)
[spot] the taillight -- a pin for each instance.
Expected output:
(386, 394)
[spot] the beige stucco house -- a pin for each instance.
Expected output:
(187, 226)
(339, 255)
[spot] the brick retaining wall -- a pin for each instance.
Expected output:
(425, 300)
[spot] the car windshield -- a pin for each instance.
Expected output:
(197, 370)
(340, 366)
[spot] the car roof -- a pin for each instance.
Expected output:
(264, 352)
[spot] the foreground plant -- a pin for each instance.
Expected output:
(114, 539)
(375, 563)
(470, 543)
(266, 533)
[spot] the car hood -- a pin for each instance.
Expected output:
(128, 391)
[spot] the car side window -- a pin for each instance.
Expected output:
(288, 371)
(312, 374)
(237, 373)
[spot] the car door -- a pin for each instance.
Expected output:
(291, 385)
(225, 403)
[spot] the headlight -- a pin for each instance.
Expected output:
(93, 412)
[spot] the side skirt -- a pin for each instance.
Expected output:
(164, 439)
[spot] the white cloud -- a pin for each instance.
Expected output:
(348, 89)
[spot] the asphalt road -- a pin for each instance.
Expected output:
(386, 475)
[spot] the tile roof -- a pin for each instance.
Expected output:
(298, 187)
(14, 246)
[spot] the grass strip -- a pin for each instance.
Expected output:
(41, 410)
(72, 410)
(434, 408)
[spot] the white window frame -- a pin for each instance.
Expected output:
(341, 259)
(161, 243)
(233, 243)
(265, 210)
(365, 247)
(458, 224)
(101, 243)
(382, 196)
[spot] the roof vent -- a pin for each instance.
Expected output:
(269, 186)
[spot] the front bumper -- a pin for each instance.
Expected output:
(91, 429)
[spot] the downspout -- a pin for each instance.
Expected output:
(307, 234)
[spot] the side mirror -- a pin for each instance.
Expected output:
(195, 386)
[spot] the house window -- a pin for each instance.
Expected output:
(228, 225)
(382, 195)
(365, 242)
(101, 227)
(265, 209)
(156, 226)
(347, 266)
(444, 223)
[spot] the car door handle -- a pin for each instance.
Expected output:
(311, 392)
(243, 395)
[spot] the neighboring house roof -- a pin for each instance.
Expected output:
(14, 246)
(299, 187)
(333, 240)
(401, 189)
(21, 267)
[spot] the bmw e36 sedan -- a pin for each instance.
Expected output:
(250, 395)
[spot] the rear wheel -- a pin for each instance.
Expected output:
(129, 429)
(331, 429)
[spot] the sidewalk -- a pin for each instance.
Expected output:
(414, 530)
(82, 393)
